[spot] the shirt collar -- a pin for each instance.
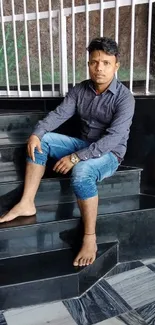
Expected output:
(112, 86)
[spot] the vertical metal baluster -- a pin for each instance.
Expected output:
(39, 49)
(51, 47)
(101, 18)
(4, 48)
(15, 47)
(27, 50)
(117, 22)
(87, 37)
(149, 47)
(63, 51)
(132, 44)
(73, 41)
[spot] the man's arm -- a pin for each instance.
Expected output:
(57, 117)
(119, 127)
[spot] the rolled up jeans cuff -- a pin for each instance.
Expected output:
(37, 161)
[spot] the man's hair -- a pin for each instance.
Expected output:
(105, 44)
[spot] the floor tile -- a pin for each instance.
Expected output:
(151, 267)
(136, 287)
(131, 318)
(123, 267)
(97, 304)
(147, 312)
(51, 314)
(2, 319)
(148, 261)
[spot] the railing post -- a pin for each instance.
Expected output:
(63, 52)
(4, 48)
(132, 44)
(148, 47)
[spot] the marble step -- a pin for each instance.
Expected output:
(18, 121)
(52, 275)
(129, 220)
(126, 181)
(50, 208)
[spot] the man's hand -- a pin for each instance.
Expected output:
(33, 142)
(63, 165)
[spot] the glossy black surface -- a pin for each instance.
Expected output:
(55, 209)
(121, 183)
(123, 267)
(103, 264)
(12, 123)
(51, 274)
(38, 292)
(134, 230)
(124, 215)
(25, 236)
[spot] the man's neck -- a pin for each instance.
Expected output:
(101, 88)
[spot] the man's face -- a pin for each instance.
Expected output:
(102, 67)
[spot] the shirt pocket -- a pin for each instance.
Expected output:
(105, 114)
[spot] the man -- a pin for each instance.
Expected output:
(106, 108)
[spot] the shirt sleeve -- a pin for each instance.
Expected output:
(57, 117)
(118, 129)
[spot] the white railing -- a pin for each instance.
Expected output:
(61, 14)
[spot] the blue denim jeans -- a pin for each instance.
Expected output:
(85, 174)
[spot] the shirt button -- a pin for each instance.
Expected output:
(86, 158)
(99, 155)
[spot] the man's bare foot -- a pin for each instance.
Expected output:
(88, 251)
(19, 209)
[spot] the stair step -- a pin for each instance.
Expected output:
(50, 208)
(126, 181)
(13, 139)
(50, 276)
(13, 122)
(52, 229)
(123, 267)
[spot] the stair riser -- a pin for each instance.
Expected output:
(127, 228)
(38, 292)
(57, 288)
(64, 207)
(16, 155)
(60, 191)
(27, 121)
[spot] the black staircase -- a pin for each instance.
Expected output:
(36, 253)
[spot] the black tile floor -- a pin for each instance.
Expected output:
(125, 295)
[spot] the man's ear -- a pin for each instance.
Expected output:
(117, 66)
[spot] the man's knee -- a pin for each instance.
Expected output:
(83, 181)
(82, 171)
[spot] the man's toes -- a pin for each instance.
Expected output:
(91, 260)
(88, 261)
(4, 219)
(84, 262)
(75, 263)
(81, 261)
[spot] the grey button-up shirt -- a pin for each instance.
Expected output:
(106, 118)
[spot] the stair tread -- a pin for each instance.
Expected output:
(66, 211)
(41, 266)
(9, 169)
(13, 139)
(19, 112)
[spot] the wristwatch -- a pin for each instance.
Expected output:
(74, 158)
